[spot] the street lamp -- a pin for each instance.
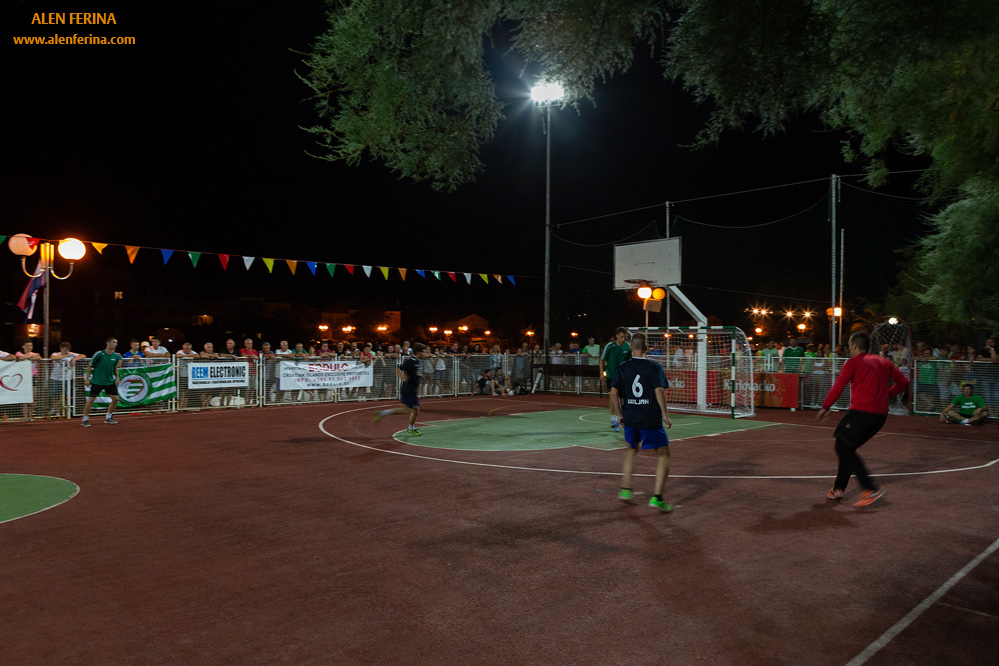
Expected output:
(25, 246)
(546, 95)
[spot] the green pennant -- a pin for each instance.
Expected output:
(194, 258)
(330, 268)
(437, 274)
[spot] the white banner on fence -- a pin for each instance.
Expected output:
(216, 375)
(15, 383)
(324, 374)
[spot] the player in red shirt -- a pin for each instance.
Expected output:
(874, 381)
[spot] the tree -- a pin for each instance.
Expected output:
(405, 82)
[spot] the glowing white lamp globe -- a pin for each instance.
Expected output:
(547, 93)
(72, 249)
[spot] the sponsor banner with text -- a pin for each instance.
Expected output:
(324, 375)
(225, 374)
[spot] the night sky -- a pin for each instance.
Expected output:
(190, 140)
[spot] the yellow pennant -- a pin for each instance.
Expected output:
(99, 247)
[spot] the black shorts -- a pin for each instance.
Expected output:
(109, 389)
(857, 428)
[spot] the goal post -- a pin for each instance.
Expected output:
(709, 368)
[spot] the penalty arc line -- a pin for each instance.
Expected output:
(322, 427)
(33, 513)
(911, 616)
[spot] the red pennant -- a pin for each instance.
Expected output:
(350, 268)
(224, 258)
(451, 274)
(32, 242)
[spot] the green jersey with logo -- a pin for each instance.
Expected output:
(102, 367)
(614, 355)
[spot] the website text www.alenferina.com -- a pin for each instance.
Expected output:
(73, 19)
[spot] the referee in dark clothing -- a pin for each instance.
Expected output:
(874, 381)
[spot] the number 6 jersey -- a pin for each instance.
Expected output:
(636, 381)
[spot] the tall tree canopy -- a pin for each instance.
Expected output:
(405, 82)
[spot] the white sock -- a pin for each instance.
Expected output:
(965, 421)
(614, 420)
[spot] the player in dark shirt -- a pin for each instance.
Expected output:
(640, 384)
(409, 372)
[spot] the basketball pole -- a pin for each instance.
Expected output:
(548, 230)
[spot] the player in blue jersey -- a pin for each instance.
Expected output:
(638, 394)
(409, 372)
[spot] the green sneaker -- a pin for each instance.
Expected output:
(414, 432)
(661, 505)
(378, 416)
(625, 495)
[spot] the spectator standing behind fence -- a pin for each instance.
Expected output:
(968, 408)
(27, 354)
(209, 355)
(990, 373)
(154, 350)
(792, 357)
(134, 356)
(64, 361)
(184, 356)
(104, 369)
(614, 354)
(283, 353)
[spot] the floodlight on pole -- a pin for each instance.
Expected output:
(546, 94)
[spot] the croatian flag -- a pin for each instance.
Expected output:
(27, 300)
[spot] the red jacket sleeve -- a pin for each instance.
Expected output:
(845, 375)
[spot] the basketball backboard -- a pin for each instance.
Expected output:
(654, 262)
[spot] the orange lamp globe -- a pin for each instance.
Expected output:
(20, 246)
(659, 293)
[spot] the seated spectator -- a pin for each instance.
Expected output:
(968, 408)
(503, 382)
(487, 384)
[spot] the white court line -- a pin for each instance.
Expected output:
(322, 427)
(75, 493)
(911, 616)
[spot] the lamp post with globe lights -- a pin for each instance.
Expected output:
(25, 246)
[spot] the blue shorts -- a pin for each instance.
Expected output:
(410, 400)
(649, 438)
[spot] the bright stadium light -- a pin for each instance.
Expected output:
(547, 93)
(892, 321)
(645, 292)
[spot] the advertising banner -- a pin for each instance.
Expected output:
(144, 386)
(324, 375)
(15, 383)
(226, 374)
(776, 389)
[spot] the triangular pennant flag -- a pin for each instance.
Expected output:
(248, 261)
(499, 278)
(330, 268)
(437, 274)
(312, 266)
(350, 268)
(402, 272)
(422, 274)
(384, 271)
(194, 258)
(512, 281)
(224, 258)
(292, 264)
(166, 255)
(485, 278)
(468, 278)
(131, 251)
(269, 263)
(33, 242)
(451, 275)
(2, 239)
(367, 270)
(99, 247)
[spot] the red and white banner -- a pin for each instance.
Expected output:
(772, 389)
(16, 383)
(324, 375)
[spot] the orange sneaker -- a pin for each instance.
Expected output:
(869, 497)
(835, 494)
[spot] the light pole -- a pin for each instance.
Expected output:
(547, 95)
(25, 246)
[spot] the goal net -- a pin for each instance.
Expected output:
(710, 369)
(892, 339)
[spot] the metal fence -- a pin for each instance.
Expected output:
(58, 390)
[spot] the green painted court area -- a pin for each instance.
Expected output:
(23, 494)
(556, 429)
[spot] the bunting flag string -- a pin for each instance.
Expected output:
(132, 251)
